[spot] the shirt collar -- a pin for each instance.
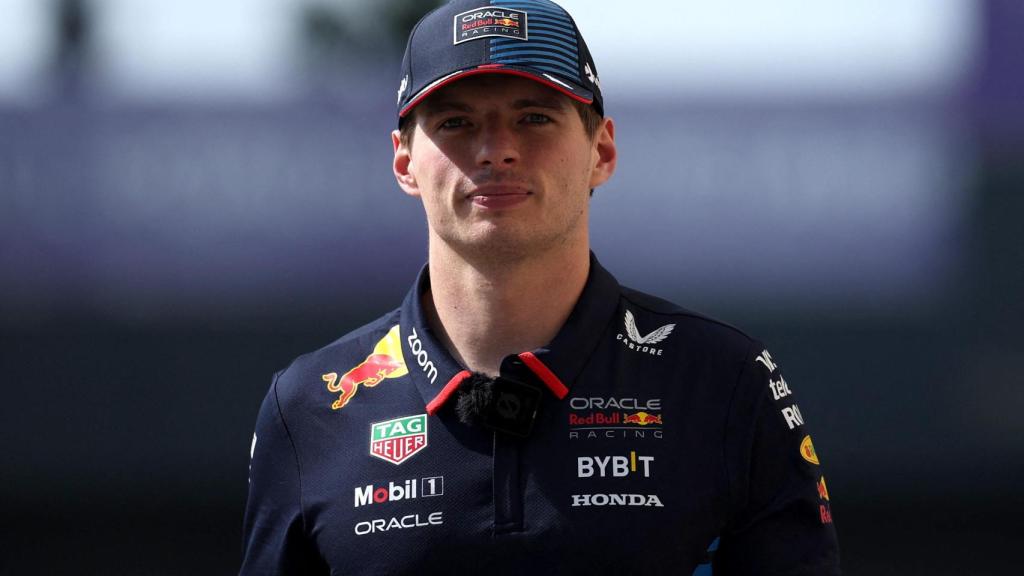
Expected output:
(437, 375)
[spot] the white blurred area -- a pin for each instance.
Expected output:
(196, 49)
(779, 49)
(27, 39)
(742, 49)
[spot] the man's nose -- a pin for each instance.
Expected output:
(497, 146)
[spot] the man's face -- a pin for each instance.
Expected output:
(503, 165)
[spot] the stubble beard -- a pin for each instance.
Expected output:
(507, 239)
(498, 245)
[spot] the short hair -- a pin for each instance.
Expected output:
(591, 122)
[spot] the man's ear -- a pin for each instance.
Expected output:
(400, 165)
(605, 155)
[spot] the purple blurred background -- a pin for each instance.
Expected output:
(192, 195)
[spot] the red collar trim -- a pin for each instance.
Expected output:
(434, 405)
(546, 375)
(532, 362)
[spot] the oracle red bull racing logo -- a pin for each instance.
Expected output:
(598, 417)
(385, 362)
(490, 21)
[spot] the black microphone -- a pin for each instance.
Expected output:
(502, 404)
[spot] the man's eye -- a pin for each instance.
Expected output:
(537, 118)
(456, 122)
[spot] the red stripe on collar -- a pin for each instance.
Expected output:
(434, 405)
(546, 375)
(532, 362)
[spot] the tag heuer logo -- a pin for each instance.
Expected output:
(397, 440)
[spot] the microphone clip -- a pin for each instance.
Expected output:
(501, 404)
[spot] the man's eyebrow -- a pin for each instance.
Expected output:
(550, 103)
(440, 106)
(437, 106)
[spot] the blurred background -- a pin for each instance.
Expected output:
(193, 193)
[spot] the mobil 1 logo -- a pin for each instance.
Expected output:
(396, 491)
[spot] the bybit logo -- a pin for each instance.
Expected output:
(614, 466)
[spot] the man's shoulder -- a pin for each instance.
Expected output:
(345, 352)
(644, 312)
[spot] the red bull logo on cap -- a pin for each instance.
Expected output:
(490, 21)
(385, 362)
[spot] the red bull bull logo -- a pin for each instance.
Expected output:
(641, 418)
(385, 362)
(822, 489)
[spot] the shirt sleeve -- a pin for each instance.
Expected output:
(274, 539)
(781, 522)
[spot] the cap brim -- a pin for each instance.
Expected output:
(575, 92)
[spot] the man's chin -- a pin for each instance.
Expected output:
(498, 243)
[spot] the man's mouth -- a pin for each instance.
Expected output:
(493, 190)
(497, 196)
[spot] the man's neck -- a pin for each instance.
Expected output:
(484, 311)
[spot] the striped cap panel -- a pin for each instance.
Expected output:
(551, 44)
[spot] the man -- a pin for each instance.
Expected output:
(521, 412)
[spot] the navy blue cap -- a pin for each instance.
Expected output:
(536, 39)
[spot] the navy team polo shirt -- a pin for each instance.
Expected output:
(663, 442)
